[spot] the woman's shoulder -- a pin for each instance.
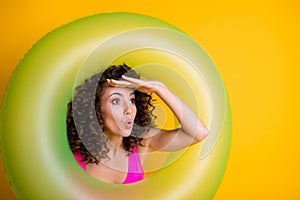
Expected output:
(148, 136)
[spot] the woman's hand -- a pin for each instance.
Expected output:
(192, 128)
(144, 86)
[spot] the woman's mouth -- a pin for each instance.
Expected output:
(128, 124)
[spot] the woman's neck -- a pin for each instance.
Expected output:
(115, 142)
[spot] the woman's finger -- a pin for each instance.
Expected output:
(118, 83)
(133, 80)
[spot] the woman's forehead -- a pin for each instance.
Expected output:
(109, 91)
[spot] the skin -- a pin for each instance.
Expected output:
(119, 110)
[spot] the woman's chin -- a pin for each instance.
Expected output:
(126, 132)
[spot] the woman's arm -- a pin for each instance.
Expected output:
(192, 128)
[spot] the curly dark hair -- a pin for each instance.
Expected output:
(85, 123)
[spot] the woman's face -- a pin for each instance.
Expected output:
(118, 110)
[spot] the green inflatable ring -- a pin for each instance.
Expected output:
(36, 155)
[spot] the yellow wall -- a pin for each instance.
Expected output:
(255, 47)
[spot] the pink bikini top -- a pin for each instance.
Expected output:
(135, 169)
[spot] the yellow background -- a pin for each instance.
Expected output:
(255, 46)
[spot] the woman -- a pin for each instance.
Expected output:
(110, 121)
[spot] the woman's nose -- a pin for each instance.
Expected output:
(128, 109)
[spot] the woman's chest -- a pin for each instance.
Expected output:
(113, 171)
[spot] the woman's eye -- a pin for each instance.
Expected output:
(132, 100)
(115, 101)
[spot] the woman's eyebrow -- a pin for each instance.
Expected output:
(116, 93)
(119, 94)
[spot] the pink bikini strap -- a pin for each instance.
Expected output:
(135, 168)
